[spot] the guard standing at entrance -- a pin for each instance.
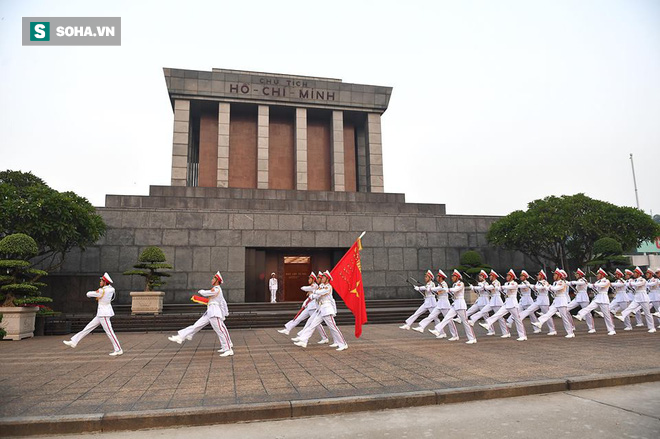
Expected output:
(272, 286)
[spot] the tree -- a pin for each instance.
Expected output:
(57, 221)
(563, 230)
(608, 254)
(472, 264)
(17, 287)
(151, 260)
(656, 218)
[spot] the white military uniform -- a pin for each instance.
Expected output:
(510, 307)
(541, 303)
(443, 307)
(559, 305)
(526, 301)
(459, 309)
(427, 306)
(215, 314)
(621, 300)
(482, 300)
(272, 286)
(602, 301)
(631, 296)
(325, 312)
(581, 299)
(104, 296)
(653, 286)
(494, 304)
(641, 301)
(308, 308)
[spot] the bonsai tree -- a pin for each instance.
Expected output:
(608, 253)
(2, 331)
(18, 287)
(150, 262)
(471, 264)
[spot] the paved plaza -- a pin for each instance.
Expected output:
(43, 377)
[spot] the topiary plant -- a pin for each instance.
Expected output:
(471, 264)
(151, 260)
(2, 331)
(608, 253)
(18, 288)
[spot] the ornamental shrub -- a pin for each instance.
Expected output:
(150, 263)
(18, 287)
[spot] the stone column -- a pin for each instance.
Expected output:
(337, 169)
(180, 142)
(223, 144)
(301, 149)
(362, 162)
(375, 148)
(262, 147)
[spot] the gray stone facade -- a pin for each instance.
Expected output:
(202, 230)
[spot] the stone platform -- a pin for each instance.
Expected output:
(268, 377)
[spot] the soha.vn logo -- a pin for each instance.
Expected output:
(39, 31)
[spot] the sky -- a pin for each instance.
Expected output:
(495, 103)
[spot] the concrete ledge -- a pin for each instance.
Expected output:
(139, 420)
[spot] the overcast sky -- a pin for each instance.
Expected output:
(495, 103)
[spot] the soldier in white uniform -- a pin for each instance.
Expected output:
(630, 291)
(325, 313)
(621, 300)
(495, 303)
(215, 314)
(510, 307)
(541, 303)
(526, 300)
(641, 300)
(442, 307)
(581, 297)
(308, 308)
(429, 301)
(601, 300)
(272, 286)
(103, 296)
(459, 309)
(653, 286)
(483, 299)
(560, 288)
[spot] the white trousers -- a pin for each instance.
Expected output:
(421, 310)
(515, 314)
(302, 316)
(474, 308)
(449, 318)
(604, 308)
(216, 323)
(529, 312)
(484, 314)
(107, 327)
(656, 305)
(315, 321)
(434, 317)
(566, 317)
(319, 328)
(635, 307)
(522, 308)
(273, 296)
(588, 318)
(617, 306)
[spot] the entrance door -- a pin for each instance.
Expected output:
(296, 273)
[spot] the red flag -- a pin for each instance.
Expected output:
(347, 282)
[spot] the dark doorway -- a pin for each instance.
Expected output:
(296, 273)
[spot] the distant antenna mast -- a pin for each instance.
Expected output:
(634, 179)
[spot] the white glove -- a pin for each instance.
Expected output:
(416, 288)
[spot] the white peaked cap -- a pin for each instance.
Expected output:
(457, 274)
(563, 273)
(483, 273)
(493, 272)
(650, 270)
(618, 272)
(524, 273)
(272, 274)
(580, 272)
(430, 273)
(313, 275)
(106, 277)
(542, 273)
(628, 271)
(512, 273)
(218, 276)
(320, 274)
(442, 273)
(601, 271)
(639, 270)
(328, 275)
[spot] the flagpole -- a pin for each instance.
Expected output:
(363, 233)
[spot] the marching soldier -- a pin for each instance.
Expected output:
(215, 314)
(458, 308)
(526, 301)
(325, 313)
(494, 304)
(601, 300)
(429, 301)
(641, 300)
(630, 291)
(308, 308)
(510, 307)
(560, 288)
(483, 299)
(272, 286)
(653, 286)
(581, 297)
(541, 303)
(442, 307)
(621, 300)
(104, 296)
